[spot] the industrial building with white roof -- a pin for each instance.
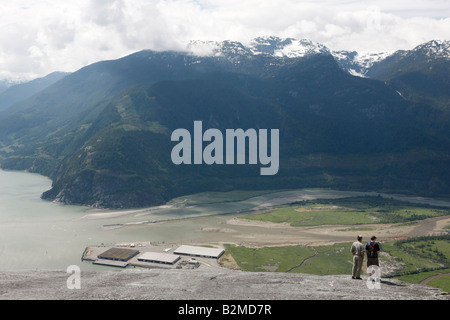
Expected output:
(214, 253)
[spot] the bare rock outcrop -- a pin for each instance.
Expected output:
(204, 284)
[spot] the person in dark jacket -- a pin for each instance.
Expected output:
(372, 249)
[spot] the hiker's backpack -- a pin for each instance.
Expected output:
(372, 253)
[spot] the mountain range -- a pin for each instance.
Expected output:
(6, 83)
(347, 121)
(23, 90)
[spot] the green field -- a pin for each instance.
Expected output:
(442, 282)
(333, 259)
(349, 211)
(324, 260)
(277, 259)
(421, 276)
(420, 254)
(422, 257)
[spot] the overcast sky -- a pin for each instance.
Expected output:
(41, 36)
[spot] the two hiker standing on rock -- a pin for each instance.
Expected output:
(358, 250)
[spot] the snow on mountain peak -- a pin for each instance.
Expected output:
(434, 49)
(270, 45)
(287, 47)
(356, 63)
(367, 59)
(300, 48)
(215, 48)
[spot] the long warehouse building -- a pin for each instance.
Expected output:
(213, 253)
(157, 257)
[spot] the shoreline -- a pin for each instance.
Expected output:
(272, 202)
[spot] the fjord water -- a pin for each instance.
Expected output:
(34, 234)
(37, 234)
